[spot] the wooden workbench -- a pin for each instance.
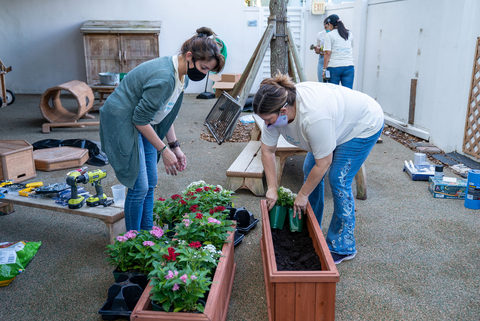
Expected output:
(112, 216)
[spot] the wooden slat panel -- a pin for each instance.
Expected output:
(243, 160)
(471, 138)
(284, 301)
(325, 299)
(305, 302)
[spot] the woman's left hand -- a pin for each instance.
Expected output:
(181, 159)
(300, 205)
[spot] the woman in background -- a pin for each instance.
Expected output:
(338, 57)
(140, 113)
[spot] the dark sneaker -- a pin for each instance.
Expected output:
(339, 258)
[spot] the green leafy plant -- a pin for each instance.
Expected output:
(285, 197)
(179, 289)
(209, 228)
(133, 251)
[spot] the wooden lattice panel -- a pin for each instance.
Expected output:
(471, 139)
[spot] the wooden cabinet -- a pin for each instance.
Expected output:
(118, 46)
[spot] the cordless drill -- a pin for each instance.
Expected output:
(75, 201)
(95, 178)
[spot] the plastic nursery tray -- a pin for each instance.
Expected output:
(123, 296)
(238, 238)
(246, 230)
(420, 172)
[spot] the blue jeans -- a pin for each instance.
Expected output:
(347, 160)
(139, 200)
(342, 75)
(320, 68)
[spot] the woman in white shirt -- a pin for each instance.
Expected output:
(338, 127)
(338, 53)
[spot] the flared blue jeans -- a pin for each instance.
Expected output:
(347, 160)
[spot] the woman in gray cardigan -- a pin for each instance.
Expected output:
(140, 113)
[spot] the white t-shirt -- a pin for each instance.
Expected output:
(342, 53)
(167, 108)
(327, 115)
(320, 38)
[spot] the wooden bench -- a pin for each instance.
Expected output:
(112, 216)
(247, 170)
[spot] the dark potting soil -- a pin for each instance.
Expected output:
(294, 251)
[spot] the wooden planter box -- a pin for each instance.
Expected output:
(299, 295)
(218, 300)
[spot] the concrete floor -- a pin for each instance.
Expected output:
(417, 256)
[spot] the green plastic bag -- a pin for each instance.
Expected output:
(14, 257)
(277, 216)
(296, 224)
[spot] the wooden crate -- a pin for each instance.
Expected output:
(16, 160)
(299, 295)
(52, 159)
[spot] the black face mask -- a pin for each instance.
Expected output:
(193, 73)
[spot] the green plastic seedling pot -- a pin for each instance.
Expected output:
(277, 216)
(296, 224)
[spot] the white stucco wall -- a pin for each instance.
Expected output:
(42, 42)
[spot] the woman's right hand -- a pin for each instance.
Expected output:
(170, 162)
(272, 197)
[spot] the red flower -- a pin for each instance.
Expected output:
(199, 215)
(211, 211)
(183, 202)
(172, 256)
(193, 208)
(219, 208)
(190, 193)
(206, 188)
(198, 190)
(217, 189)
(161, 199)
(176, 196)
(195, 245)
(193, 197)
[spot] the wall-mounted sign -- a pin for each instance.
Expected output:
(318, 6)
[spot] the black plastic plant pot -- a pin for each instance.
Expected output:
(238, 238)
(122, 298)
(121, 276)
(231, 213)
(244, 218)
(247, 229)
(295, 223)
(277, 216)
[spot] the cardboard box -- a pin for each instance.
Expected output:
(224, 82)
(447, 187)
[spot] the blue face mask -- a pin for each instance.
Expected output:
(281, 121)
(328, 31)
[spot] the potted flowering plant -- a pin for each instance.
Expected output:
(279, 211)
(209, 228)
(133, 251)
(197, 197)
(176, 290)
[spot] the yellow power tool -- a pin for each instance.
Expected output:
(95, 178)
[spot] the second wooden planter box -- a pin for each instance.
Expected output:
(299, 295)
(217, 302)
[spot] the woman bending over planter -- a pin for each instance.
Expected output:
(338, 127)
(140, 113)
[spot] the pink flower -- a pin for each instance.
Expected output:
(157, 232)
(148, 243)
(213, 220)
(121, 238)
(176, 273)
(176, 287)
(193, 277)
(187, 222)
(130, 234)
(184, 278)
(169, 275)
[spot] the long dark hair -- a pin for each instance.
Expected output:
(337, 24)
(203, 47)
